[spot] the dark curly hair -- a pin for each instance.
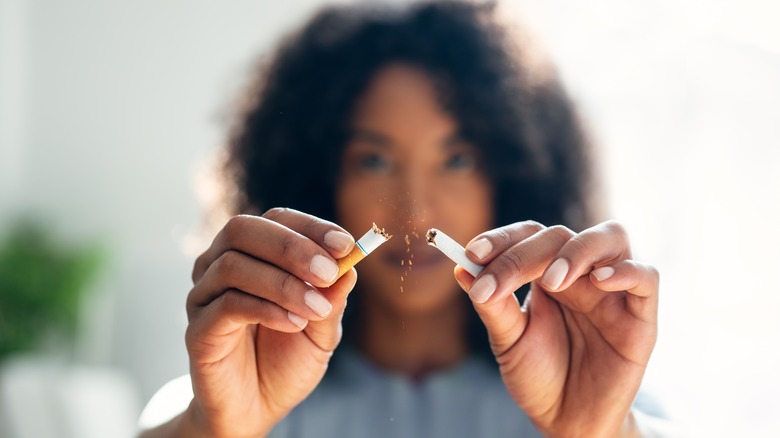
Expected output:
(299, 111)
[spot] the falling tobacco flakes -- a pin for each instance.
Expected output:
(408, 250)
(408, 261)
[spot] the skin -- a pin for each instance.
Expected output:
(572, 360)
(406, 169)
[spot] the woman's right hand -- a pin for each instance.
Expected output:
(264, 318)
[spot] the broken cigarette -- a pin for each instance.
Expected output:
(363, 247)
(452, 249)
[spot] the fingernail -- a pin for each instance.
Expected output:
(297, 320)
(555, 274)
(483, 288)
(316, 302)
(324, 268)
(603, 272)
(480, 248)
(339, 241)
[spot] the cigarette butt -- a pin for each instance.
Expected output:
(452, 249)
(351, 259)
(363, 247)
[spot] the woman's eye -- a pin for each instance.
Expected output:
(460, 161)
(373, 163)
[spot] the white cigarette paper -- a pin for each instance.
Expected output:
(453, 250)
(372, 239)
(363, 247)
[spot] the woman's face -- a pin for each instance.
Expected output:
(406, 169)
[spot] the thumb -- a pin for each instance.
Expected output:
(326, 334)
(504, 318)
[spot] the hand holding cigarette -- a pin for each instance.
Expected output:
(282, 280)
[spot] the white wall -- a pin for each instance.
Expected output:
(13, 97)
(106, 109)
(684, 100)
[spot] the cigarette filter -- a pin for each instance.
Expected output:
(452, 249)
(363, 247)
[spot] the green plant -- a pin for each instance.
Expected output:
(42, 282)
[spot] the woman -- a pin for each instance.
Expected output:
(416, 118)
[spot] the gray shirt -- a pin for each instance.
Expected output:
(357, 399)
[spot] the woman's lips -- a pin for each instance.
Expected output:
(421, 257)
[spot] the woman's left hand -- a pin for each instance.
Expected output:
(572, 359)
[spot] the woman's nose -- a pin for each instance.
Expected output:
(415, 202)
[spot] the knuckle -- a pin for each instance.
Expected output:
(276, 212)
(510, 262)
(313, 226)
(312, 223)
(618, 233)
(190, 305)
(198, 268)
(226, 265)
(577, 246)
(229, 304)
(561, 233)
(228, 300)
(533, 226)
(235, 227)
(288, 245)
(617, 228)
(655, 275)
(285, 284)
(503, 235)
(190, 336)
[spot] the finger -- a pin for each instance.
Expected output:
(274, 243)
(329, 235)
(233, 310)
(636, 278)
(486, 246)
(236, 270)
(504, 319)
(519, 264)
(595, 246)
(543, 344)
(326, 334)
(639, 280)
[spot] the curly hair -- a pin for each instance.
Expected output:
(299, 111)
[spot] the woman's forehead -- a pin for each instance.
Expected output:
(400, 87)
(401, 102)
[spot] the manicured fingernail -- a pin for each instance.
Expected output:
(324, 268)
(555, 274)
(480, 248)
(339, 241)
(483, 288)
(603, 272)
(316, 302)
(297, 320)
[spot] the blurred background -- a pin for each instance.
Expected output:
(111, 111)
